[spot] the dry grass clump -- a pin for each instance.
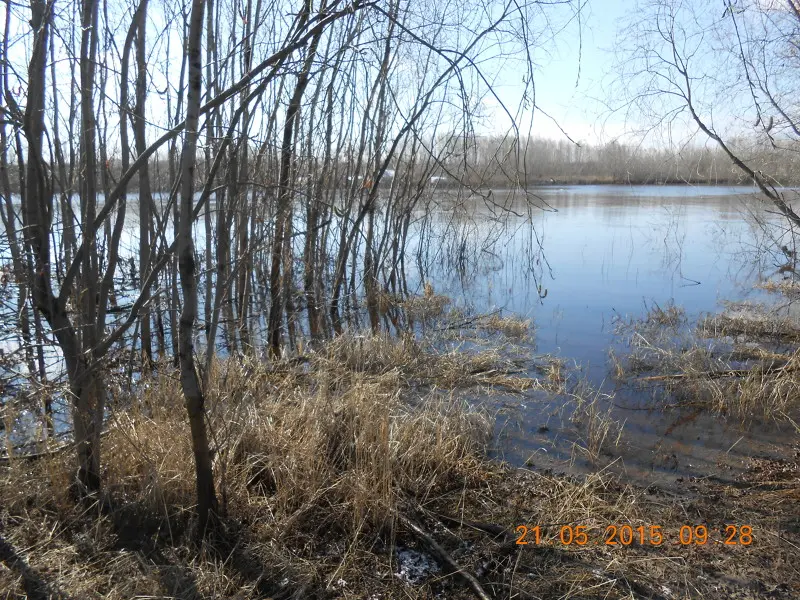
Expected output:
(601, 432)
(593, 501)
(422, 308)
(341, 460)
(427, 306)
(509, 326)
(752, 322)
(550, 569)
(669, 316)
(769, 390)
(313, 472)
(788, 287)
(656, 321)
(743, 362)
(416, 363)
(661, 346)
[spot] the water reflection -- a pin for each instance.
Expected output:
(609, 253)
(592, 255)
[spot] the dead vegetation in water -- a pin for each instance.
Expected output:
(428, 305)
(415, 362)
(432, 309)
(787, 287)
(744, 362)
(510, 326)
(593, 413)
(669, 316)
(751, 323)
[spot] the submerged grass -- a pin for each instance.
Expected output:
(593, 414)
(416, 363)
(744, 362)
(752, 322)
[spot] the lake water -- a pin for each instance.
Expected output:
(576, 259)
(611, 252)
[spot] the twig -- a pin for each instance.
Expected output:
(721, 374)
(6, 460)
(490, 528)
(466, 322)
(443, 556)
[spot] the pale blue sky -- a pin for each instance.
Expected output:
(579, 109)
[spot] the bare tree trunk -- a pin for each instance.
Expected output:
(190, 382)
(173, 174)
(244, 268)
(278, 281)
(88, 394)
(211, 59)
(9, 217)
(145, 195)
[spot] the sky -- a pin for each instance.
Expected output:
(569, 81)
(572, 78)
(580, 109)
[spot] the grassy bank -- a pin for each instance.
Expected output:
(360, 471)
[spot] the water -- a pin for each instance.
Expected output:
(589, 256)
(611, 252)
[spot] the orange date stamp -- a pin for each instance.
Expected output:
(627, 535)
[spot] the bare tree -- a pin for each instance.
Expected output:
(190, 382)
(729, 72)
(321, 126)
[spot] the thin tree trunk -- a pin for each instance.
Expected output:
(145, 195)
(190, 382)
(278, 281)
(88, 395)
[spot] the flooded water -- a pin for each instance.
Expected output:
(582, 259)
(611, 252)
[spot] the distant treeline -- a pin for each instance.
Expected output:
(500, 161)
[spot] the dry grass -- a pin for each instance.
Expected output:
(314, 461)
(555, 374)
(744, 362)
(304, 463)
(593, 416)
(751, 322)
(431, 307)
(417, 363)
(425, 307)
(788, 287)
(509, 326)
(312, 489)
(428, 306)
(669, 316)
(760, 391)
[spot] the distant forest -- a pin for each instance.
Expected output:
(502, 162)
(495, 161)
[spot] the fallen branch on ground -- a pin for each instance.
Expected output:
(443, 556)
